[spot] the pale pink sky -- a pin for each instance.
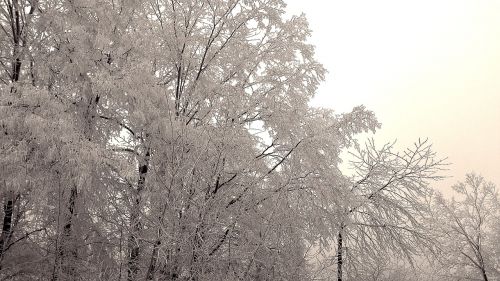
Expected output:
(428, 68)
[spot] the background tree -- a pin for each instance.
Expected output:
(466, 228)
(382, 206)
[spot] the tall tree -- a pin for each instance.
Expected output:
(152, 139)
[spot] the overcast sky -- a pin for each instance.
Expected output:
(428, 69)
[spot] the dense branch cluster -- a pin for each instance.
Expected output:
(172, 140)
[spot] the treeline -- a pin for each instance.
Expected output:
(172, 140)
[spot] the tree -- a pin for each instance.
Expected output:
(151, 139)
(50, 125)
(382, 206)
(465, 228)
(138, 84)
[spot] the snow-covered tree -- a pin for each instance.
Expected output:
(381, 208)
(466, 229)
(164, 140)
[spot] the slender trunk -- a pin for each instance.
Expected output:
(483, 271)
(68, 227)
(481, 264)
(154, 259)
(18, 24)
(133, 243)
(8, 208)
(153, 264)
(66, 254)
(16, 37)
(135, 224)
(197, 243)
(70, 253)
(339, 256)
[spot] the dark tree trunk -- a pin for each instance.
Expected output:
(8, 208)
(66, 254)
(70, 254)
(339, 255)
(483, 271)
(135, 224)
(17, 21)
(154, 260)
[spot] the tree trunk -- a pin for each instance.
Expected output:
(66, 253)
(16, 38)
(8, 208)
(70, 253)
(483, 271)
(154, 259)
(339, 255)
(135, 224)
